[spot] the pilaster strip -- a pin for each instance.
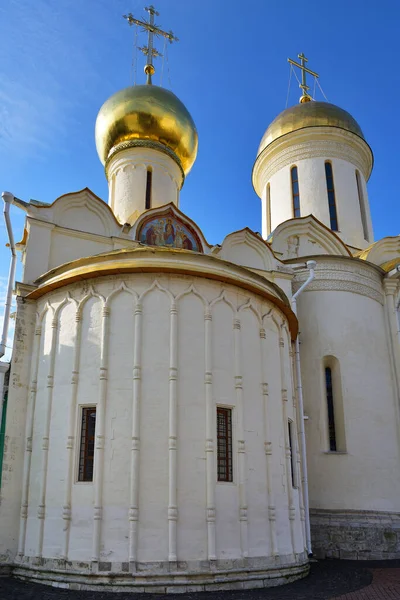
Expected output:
(28, 438)
(135, 448)
(100, 436)
(210, 438)
(268, 447)
(172, 450)
(46, 435)
(67, 508)
(241, 446)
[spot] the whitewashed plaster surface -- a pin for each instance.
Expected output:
(178, 347)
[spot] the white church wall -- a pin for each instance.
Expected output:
(249, 512)
(13, 492)
(345, 319)
(308, 149)
(71, 245)
(127, 177)
(314, 197)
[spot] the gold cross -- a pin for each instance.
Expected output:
(152, 30)
(303, 85)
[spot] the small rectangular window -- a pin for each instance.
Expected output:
(224, 444)
(86, 454)
(292, 454)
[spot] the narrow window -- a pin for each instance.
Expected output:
(295, 192)
(362, 207)
(268, 209)
(224, 444)
(149, 178)
(86, 455)
(292, 454)
(331, 196)
(331, 415)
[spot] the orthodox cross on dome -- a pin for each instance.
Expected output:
(303, 85)
(152, 30)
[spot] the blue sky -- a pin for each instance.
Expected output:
(59, 61)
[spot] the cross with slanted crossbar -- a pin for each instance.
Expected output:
(303, 85)
(153, 30)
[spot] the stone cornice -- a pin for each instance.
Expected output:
(343, 275)
(163, 260)
(312, 142)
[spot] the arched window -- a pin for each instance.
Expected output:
(362, 207)
(149, 181)
(334, 406)
(295, 191)
(268, 209)
(331, 196)
(331, 412)
(292, 449)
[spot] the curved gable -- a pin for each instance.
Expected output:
(84, 211)
(385, 253)
(306, 236)
(247, 249)
(169, 227)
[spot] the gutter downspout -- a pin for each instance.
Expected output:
(8, 200)
(311, 264)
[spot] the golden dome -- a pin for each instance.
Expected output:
(147, 115)
(309, 114)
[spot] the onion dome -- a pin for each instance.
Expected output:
(309, 114)
(147, 116)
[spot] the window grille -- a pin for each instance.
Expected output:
(86, 454)
(224, 444)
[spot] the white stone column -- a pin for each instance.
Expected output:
(288, 466)
(210, 437)
(28, 438)
(67, 508)
(391, 287)
(241, 445)
(135, 449)
(46, 437)
(172, 441)
(100, 437)
(268, 449)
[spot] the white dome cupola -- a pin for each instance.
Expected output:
(313, 159)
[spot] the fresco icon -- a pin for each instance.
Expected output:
(169, 231)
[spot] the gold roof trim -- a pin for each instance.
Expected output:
(164, 260)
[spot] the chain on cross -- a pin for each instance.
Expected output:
(152, 30)
(303, 85)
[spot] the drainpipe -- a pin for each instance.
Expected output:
(8, 200)
(311, 264)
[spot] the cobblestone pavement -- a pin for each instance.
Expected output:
(328, 580)
(385, 585)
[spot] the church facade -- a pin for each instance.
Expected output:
(189, 417)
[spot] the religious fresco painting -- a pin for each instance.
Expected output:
(168, 230)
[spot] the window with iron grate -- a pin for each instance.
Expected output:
(86, 454)
(224, 444)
